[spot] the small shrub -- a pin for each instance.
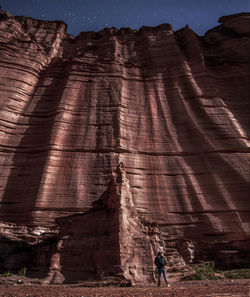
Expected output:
(156, 273)
(22, 272)
(237, 273)
(203, 271)
(6, 274)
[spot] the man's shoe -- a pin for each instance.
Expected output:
(168, 285)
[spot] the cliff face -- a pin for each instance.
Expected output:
(172, 106)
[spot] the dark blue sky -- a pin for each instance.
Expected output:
(94, 15)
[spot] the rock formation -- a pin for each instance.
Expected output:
(115, 243)
(172, 106)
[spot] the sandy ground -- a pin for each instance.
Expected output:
(217, 288)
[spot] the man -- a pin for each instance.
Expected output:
(160, 262)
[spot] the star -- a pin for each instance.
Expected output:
(200, 15)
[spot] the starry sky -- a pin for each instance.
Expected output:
(94, 15)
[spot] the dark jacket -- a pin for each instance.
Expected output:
(160, 261)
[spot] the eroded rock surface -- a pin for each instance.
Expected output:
(172, 106)
(109, 239)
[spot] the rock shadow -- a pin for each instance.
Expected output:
(25, 180)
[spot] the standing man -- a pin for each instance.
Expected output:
(160, 262)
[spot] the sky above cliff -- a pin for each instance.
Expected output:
(94, 15)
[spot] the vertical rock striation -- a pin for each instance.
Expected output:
(172, 106)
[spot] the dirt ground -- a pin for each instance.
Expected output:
(216, 288)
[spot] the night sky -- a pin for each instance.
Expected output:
(94, 15)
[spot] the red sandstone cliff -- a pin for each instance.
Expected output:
(172, 106)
